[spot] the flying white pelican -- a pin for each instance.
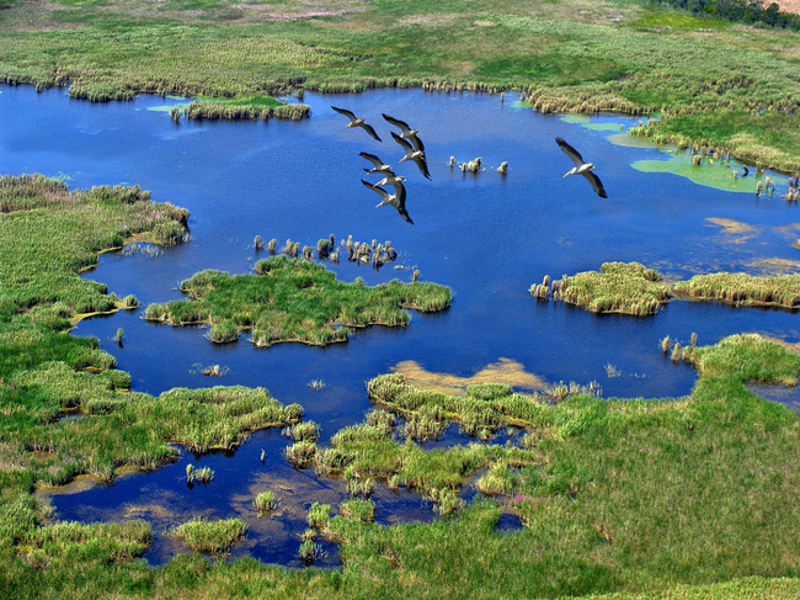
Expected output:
(390, 179)
(380, 166)
(357, 122)
(398, 199)
(418, 156)
(581, 167)
(408, 133)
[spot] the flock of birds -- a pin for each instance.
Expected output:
(415, 151)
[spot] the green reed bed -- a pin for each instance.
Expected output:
(56, 233)
(487, 407)
(367, 452)
(741, 289)
(241, 107)
(55, 544)
(643, 499)
(627, 288)
(294, 300)
(631, 496)
(213, 537)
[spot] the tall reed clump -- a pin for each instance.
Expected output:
(213, 537)
(247, 108)
(264, 502)
(627, 288)
(293, 300)
(741, 289)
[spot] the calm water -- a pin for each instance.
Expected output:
(488, 237)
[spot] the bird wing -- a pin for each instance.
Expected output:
(399, 192)
(573, 154)
(423, 166)
(418, 145)
(370, 130)
(384, 194)
(345, 112)
(596, 184)
(372, 158)
(406, 146)
(397, 123)
(404, 213)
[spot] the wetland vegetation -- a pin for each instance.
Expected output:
(640, 498)
(742, 289)
(291, 299)
(627, 288)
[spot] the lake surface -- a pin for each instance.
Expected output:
(487, 236)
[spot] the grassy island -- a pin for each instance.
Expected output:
(732, 86)
(241, 107)
(741, 289)
(294, 300)
(627, 288)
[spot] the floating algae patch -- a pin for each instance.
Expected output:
(504, 370)
(623, 138)
(717, 176)
(574, 118)
(731, 226)
(767, 267)
(604, 126)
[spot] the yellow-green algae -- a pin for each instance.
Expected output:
(718, 176)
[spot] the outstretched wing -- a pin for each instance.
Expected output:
(418, 145)
(397, 123)
(406, 146)
(573, 154)
(423, 166)
(373, 159)
(404, 213)
(345, 112)
(384, 194)
(597, 185)
(370, 130)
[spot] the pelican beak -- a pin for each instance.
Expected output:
(570, 172)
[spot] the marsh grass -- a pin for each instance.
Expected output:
(741, 289)
(627, 288)
(242, 107)
(265, 502)
(212, 537)
(293, 300)
(57, 234)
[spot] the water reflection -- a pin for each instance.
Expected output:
(487, 236)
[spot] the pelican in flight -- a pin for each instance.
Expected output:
(407, 132)
(390, 179)
(581, 167)
(357, 122)
(398, 199)
(380, 166)
(418, 156)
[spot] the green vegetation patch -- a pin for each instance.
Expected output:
(241, 107)
(48, 235)
(767, 137)
(741, 289)
(632, 495)
(627, 288)
(213, 537)
(367, 452)
(676, 20)
(294, 300)
(66, 542)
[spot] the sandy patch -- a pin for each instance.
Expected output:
(504, 370)
(769, 267)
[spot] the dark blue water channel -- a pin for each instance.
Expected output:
(487, 236)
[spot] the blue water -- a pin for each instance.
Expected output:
(487, 236)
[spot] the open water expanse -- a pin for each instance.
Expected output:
(487, 236)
